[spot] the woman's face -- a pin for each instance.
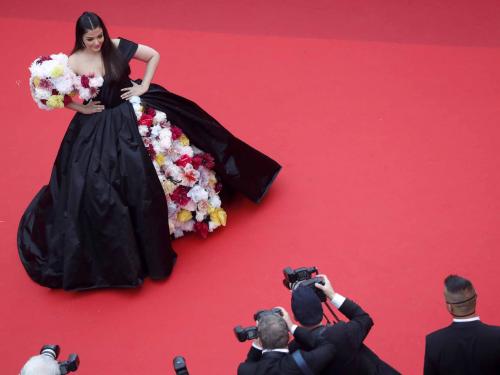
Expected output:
(93, 39)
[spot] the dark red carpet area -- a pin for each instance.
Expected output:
(385, 116)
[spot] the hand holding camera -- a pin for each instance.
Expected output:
(325, 287)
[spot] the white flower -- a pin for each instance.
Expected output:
(159, 117)
(143, 130)
(215, 201)
(135, 100)
(212, 226)
(155, 131)
(200, 216)
(197, 193)
(187, 226)
(165, 138)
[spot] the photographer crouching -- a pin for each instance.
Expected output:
(352, 356)
(269, 352)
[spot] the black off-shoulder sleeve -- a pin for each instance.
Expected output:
(127, 48)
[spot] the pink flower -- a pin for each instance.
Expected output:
(201, 228)
(183, 160)
(176, 132)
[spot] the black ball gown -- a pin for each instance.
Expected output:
(102, 221)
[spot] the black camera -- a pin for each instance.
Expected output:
(259, 314)
(180, 366)
(292, 276)
(70, 365)
(245, 333)
(310, 284)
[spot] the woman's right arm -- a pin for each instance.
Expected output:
(87, 109)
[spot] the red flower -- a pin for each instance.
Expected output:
(201, 228)
(41, 59)
(146, 120)
(151, 151)
(55, 92)
(150, 111)
(176, 132)
(93, 91)
(85, 82)
(45, 84)
(179, 195)
(183, 160)
(196, 161)
(208, 161)
(67, 99)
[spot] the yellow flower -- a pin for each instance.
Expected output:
(160, 159)
(55, 101)
(57, 71)
(36, 81)
(218, 216)
(184, 215)
(184, 140)
(168, 186)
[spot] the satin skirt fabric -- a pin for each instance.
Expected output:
(102, 221)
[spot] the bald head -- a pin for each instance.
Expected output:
(460, 296)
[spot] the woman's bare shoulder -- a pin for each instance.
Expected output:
(74, 60)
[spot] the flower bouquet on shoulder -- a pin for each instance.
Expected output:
(53, 83)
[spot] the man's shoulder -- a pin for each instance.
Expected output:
(438, 334)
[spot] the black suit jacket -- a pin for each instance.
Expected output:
(278, 363)
(352, 357)
(465, 348)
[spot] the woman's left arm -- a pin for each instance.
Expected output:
(151, 57)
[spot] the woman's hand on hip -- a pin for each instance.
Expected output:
(134, 90)
(92, 107)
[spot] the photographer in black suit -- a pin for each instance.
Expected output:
(352, 357)
(467, 346)
(269, 353)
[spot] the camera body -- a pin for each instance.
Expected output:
(245, 333)
(293, 276)
(259, 314)
(310, 284)
(70, 365)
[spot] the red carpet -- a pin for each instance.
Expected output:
(385, 119)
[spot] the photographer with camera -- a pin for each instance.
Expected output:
(352, 357)
(46, 363)
(269, 352)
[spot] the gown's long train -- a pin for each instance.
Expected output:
(102, 221)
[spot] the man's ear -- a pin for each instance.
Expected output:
(449, 308)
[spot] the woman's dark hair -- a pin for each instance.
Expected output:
(114, 64)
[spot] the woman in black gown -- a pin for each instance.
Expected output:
(102, 221)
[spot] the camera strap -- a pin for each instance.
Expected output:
(299, 360)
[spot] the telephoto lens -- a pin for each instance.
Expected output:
(180, 366)
(50, 350)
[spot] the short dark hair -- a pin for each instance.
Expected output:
(273, 332)
(460, 293)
